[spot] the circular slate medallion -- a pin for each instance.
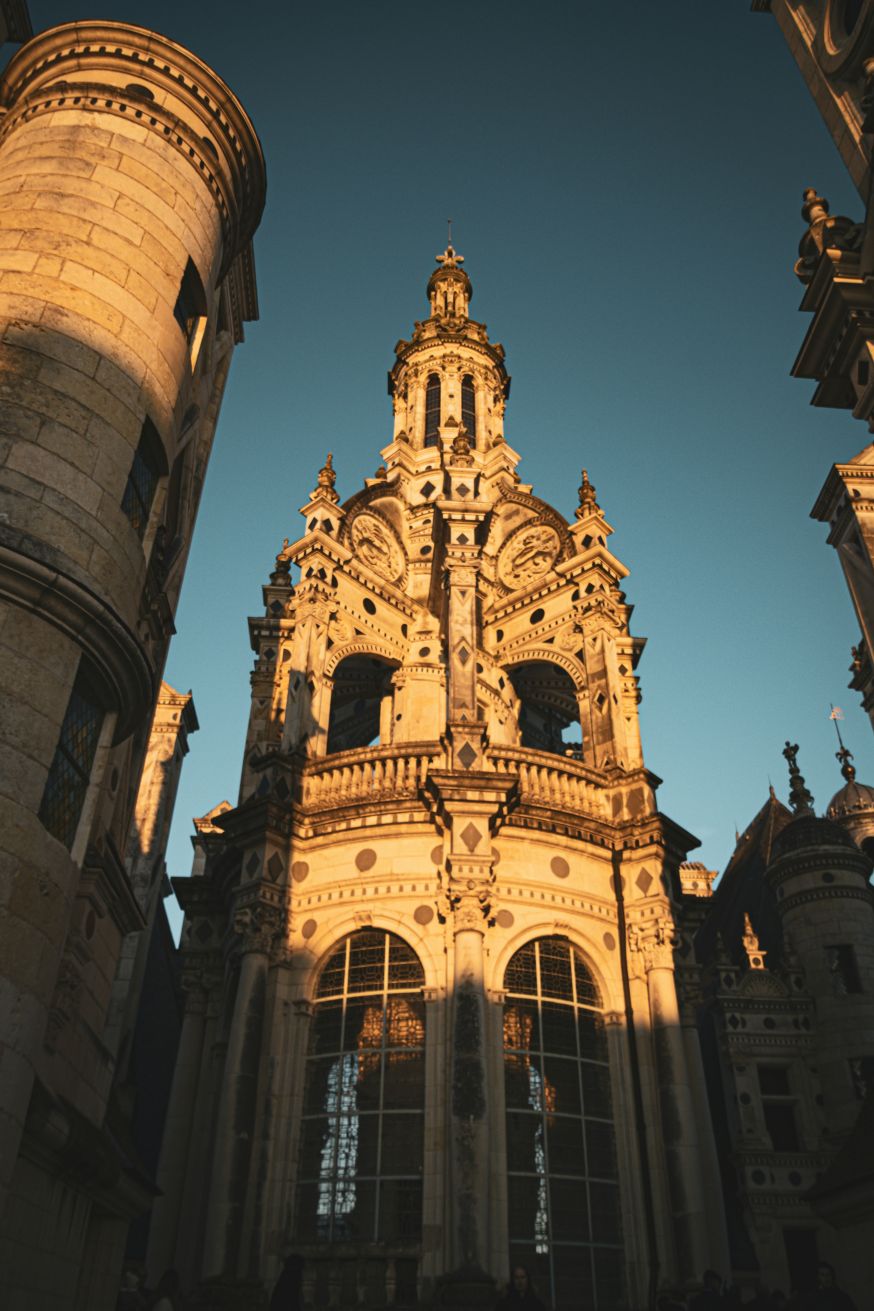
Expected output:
(423, 914)
(309, 928)
(559, 867)
(365, 859)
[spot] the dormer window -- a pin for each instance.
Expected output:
(468, 407)
(432, 410)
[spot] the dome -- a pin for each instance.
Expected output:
(852, 799)
(809, 831)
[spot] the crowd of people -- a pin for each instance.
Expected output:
(823, 1295)
(521, 1295)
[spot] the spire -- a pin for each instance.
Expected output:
(588, 501)
(842, 754)
(449, 289)
(755, 955)
(799, 798)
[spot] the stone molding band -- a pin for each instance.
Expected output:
(116, 655)
(35, 80)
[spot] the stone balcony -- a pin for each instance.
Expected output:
(388, 785)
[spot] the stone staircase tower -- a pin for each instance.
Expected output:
(446, 845)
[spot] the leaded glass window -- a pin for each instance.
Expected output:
(70, 770)
(432, 410)
(148, 464)
(468, 407)
(563, 1191)
(362, 1134)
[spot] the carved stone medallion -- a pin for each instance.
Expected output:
(376, 546)
(528, 555)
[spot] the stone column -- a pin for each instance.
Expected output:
(469, 1157)
(178, 1127)
(258, 923)
(678, 1124)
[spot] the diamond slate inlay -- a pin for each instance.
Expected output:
(467, 755)
(644, 881)
(463, 489)
(462, 539)
(471, 836)
(464, 655)
(428, 489)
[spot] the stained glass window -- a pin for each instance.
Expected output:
(468, 407)
(362, 1135)
(432, 410)
(70, 770)
(563, 1192)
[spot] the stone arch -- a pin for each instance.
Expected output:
(362, 699)
(549, 702)
(593, 957)
(361, 646)
(318, 950)
(572, 667)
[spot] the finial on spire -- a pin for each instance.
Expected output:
(843, 754)
(588, 501)
(326, 479)
(282, 569)
(450, 259)
(461, 448)
(755, 955)
(799, 798)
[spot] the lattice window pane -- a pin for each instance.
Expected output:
(70, 771)
(367, 1148)
(468, 406)
(562, 1195)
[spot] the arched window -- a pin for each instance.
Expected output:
(362, 1136)
(549, 716)
(361, 703)
(432, 410)
(563, 1195)
(468, 407)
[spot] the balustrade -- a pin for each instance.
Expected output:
(558, 782)
(372, 774)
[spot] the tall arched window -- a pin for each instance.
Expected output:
(563, 1194)
(468, 407)
(362, 1136)
(432, 410)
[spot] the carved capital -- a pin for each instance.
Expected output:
(261, 928)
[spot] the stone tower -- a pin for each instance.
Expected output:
(820, 878)
(432, 1021)
(833, 45)
(131, 183)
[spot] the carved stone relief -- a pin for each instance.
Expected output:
(528, 555)
(377, 547)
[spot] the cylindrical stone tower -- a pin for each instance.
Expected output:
(820, 878)
(131, 183)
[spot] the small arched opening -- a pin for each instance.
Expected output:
(549, 717)
(361, 703)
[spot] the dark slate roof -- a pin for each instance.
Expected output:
(743, 889)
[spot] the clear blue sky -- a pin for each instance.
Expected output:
(626, 183)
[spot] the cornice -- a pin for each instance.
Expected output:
(116, 655)
(62, 67)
